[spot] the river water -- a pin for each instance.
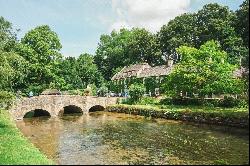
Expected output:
(116, 138)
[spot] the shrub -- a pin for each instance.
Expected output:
(93, 89)
(166, 101)
(187, 101)
(148, 100)
(136, 91)
(226, 102)
(87, 92)
(243, 103)
(6, 99)
(74, 92)
(102, 91)
(229, 102)
(126, 101)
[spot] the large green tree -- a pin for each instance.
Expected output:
(242, 28)
(87, 71)
(203, 71)
(13, 71)
(7, 36)
(242, 22)
(40, 47)
(212, 22)
(178, 32)
(68, 71)
(126, 47)
(12, 66)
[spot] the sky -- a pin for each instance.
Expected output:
(80, 23)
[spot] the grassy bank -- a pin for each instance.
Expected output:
(14, 147)
(238, 117)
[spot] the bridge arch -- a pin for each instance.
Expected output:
(96, 108)
(70, 109)
(37, 113)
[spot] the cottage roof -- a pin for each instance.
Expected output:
(130, 71)
(156, 71)
(142, 70)
(51, 92)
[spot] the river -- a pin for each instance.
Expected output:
(116, 138)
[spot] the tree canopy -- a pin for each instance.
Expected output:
(36, 63)
(203, 71)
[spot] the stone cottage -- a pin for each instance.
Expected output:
(152, 77)
(144, 73)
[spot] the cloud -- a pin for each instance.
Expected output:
(149, 14)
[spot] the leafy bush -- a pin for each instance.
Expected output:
(74, 92)
(148, 100)
(87, 92)
(181, 101)
(166, 101)
(243, 103)
(93, 89)
(226, 102)
(126, 101)
(102, 91)
(6, 99)
(136, 91)
(229, 101)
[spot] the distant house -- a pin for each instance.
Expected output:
(142, 72)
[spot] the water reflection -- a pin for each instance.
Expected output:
(114, 138)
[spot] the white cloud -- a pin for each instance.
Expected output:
(149, 14)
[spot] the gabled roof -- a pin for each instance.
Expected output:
(156, 71)
(142, 70)
(130, 71)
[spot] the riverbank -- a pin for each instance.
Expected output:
(15, 148)
(237, 117)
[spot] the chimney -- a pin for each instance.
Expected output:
(170, 62)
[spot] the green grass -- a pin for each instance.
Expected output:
(15, 148)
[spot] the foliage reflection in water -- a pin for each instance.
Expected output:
(114, 138)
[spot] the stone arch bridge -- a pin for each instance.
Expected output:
(54, 104)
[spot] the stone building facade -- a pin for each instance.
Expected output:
(151, 77)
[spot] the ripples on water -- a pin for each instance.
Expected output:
(115, 138)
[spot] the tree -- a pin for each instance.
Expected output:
(242, 22)
(178, 32)
(126, 47)
(143, 47)
(40, 47)
(13, 71)
(7, 36)
(136, 91)
(215, 22)
(203, 71)
(212, 22)
(242, 28)
(112, 52)
(87, 71)
(68, 71)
